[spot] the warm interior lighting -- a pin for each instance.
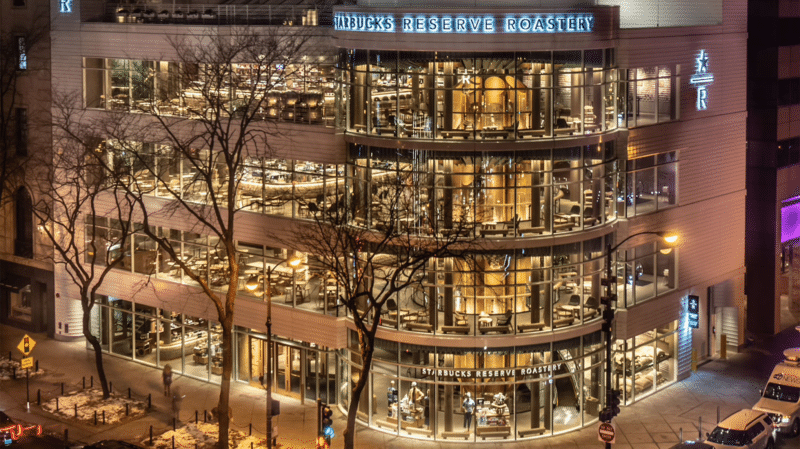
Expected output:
(252, 283)
(671, 238)
(665, 251)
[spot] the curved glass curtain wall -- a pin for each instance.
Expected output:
(519, 392)
(498, 194)
(513, 95)
(504, 292)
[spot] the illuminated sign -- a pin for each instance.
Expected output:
(17, 431)
(464, 24)
(701, 79)
(507, 372)
(694, 311)
(64, 5)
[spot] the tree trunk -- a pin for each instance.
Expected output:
(98, 351)
(355, 397)
(225, 383)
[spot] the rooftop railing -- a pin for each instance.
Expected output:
(217, 14)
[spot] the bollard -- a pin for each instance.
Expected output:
(76, 410)
(104, 417)
(151, 434)
(251, 445)
(250, 432)
(84, 383)
(681, 434)
(700, 427)
(56, 403)
(91, 381)
(195, 416)
(9, 356)
(62, 388)
(205, 416)
(129, 392)
(723, 346)
(718, 414)
(694, 360)
(173, 441)
(39, 397)
(149, 400)
(95, 417)
(37, 365)
(173, 424)
(110, 387)
(127, 409)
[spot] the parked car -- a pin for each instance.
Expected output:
(781, 396)
(748, 429)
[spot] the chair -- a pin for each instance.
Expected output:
(561, 123)
(391, 305)
(460, 319)
(505, 320)
(312, 208)
(574, 300)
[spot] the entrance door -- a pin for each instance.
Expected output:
(289, 371)
(258, 352)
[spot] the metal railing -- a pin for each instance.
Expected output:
(217, 14)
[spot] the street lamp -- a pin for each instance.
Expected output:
(252, 285)
(608, 300)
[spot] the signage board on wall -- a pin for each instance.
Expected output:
(64, 6)
(693, 312)
(489, 373)
(701, 79)
(415, 23)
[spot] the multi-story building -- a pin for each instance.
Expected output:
(26, 274)
(772, 172)
(556, 129)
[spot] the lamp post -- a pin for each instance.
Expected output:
(252, 284)
(608, 315)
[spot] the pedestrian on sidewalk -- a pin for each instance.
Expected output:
(177, 399)
(166, 377)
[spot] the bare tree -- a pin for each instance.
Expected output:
(69, 202)
(207, 114)
(377, 245)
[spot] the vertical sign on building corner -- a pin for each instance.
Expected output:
(693, 311)
(701, 79)
(64, 6)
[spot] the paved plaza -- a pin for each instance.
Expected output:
(652, 423)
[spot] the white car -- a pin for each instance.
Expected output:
(747, 429)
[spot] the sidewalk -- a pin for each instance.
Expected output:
(652, 423)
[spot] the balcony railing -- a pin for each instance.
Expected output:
(217, 14)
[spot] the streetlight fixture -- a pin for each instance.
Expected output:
(252, 285)
(608, 300)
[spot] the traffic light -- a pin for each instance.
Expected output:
(605, 415)
(325, 431)
(607, 300)
(615, 401)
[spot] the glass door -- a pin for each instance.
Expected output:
(289, 370)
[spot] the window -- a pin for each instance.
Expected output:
(652, 95)
(23, 242)
(788, 91)
(21, 136)
(21, 304)
(651, 183)
(22, 56)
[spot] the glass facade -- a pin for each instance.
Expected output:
(514, 95)
(457, 393)
(498, 194)
(300, 92)
(193, 347)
